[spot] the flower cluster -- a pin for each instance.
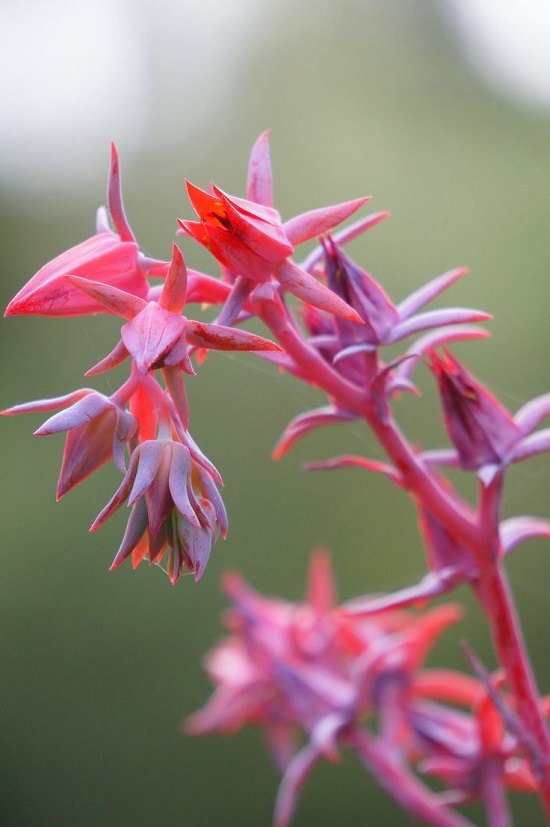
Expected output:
(353, 675)
(313, 671)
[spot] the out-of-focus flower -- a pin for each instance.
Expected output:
(111, 256)
(309, 668)
(176, 509)
(249, 239)
(98, 428)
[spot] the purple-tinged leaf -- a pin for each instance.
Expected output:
(345, 235)
(533, 412)
(317, 222)
(518, 529)
(436, 318)
(536, 443)
(43, 405)
(349, 461)
(82, 412)
(303, 424)
(428, 292)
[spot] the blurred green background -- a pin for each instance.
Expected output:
(361, 97)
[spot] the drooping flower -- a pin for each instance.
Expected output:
(176, 509)
(111, 256)
(98, 428)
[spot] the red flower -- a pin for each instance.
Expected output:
(249, 239)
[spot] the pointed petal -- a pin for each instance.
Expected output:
(178, 481)
(113, 359)
(120, 494)
(42, 405)
(135, 529)
(116, 301)
(150, 457)
(203, 202)
(174, 290)
(87, 448)
(211, 492)
(341, 237)
(226, 338)
(316, 222)
(259, 185)
(82, 412)
(518, 529)
(533, 412)
(311, 291)
(436, 318)
(114, 199)
(303, 424)
(429, 291)
(536, 443)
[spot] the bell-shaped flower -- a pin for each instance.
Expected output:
(484, 433)
(249, 239)
(111, 256)
(176, 509)
(98, 429)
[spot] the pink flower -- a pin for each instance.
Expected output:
(98, 428)
(111, 257)
(176, 509)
